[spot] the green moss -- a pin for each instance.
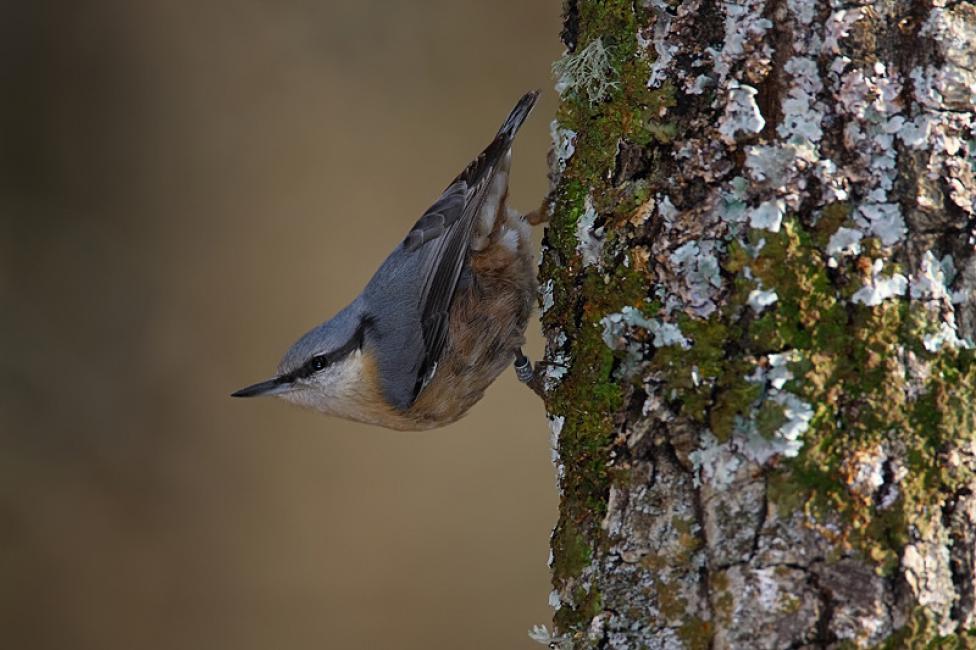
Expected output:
(588, 394)
(920, 633)
(723, 602)
(849, 372)
(696, 633)
(573, 552)
(669, 600)
(632, 112)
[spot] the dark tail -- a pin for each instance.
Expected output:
(481, 169)
(521, 111)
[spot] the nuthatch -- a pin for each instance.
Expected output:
(443, 316)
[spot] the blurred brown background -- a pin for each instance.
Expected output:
(185, 187)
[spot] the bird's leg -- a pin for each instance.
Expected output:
(527, 375)
(523, 367)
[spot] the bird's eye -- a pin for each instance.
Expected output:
(317, 363)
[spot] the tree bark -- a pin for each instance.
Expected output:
(758, 299)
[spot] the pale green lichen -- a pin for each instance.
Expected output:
(759, 299)
(590, 239)
(588, 73)
(771, 427)
(616, 325)
(742, 115)
(769, 215)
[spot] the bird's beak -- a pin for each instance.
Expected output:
(270, 387)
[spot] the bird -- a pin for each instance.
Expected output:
(443, 316)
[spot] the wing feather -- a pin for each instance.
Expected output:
(443, 235)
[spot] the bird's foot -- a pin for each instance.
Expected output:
(538, 216)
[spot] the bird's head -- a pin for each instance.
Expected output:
(324, 370)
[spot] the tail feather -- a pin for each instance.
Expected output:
(480, 170)
(521, 111)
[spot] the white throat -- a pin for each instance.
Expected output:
(343, 389)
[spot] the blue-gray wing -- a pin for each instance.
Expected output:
(443, 236)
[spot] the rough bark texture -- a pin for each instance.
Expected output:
(758, 294)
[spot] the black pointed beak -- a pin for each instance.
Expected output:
(269, 387)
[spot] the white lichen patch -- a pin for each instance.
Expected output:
(946, 336)
(554, 371)
(915, 133)
(665, 208)
(732, 207)
(869, 98)
(590, 239)
(546, 294)
(742, 115)
(558, 364)
(776, 164)
(880, 287)
(768, 216)
(717, 463)
(542, 635)
(697, 266)
(883, 220)
(563, 145)
(666, 334)
(952, 30)
(556, 423)
(554, 600)
(846, 241)
(786, 439)
(802, 113)
(664, 51)
(714, 463)
(616, 326)
(778, 372)
(759, 299)
(745, 31)
(587, 73)
(865, 469)
(838, 28)
(933, 278)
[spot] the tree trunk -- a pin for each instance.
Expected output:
(758, 298)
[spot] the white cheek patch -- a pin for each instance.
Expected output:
(335, 390)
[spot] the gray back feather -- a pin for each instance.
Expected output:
(410, 297)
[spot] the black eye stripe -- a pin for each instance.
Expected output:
(322, 361)
(312, 366)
